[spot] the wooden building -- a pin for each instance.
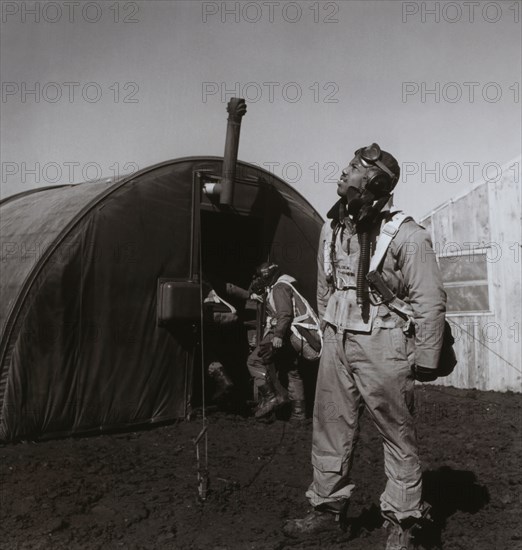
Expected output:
(477, 239)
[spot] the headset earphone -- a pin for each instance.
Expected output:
(380, 180)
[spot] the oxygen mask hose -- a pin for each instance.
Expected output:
(363, 268)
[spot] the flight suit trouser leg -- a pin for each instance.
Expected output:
(335, 426)
(373, 368)
(295, 385)
(257, 368)
(261, 369)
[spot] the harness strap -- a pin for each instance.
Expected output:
(329, 259)
(297, 321)
(299, 318)
(213, 297)
(388, 231)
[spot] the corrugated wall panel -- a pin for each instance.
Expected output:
(488, 346)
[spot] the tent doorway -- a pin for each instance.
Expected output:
(231, 248)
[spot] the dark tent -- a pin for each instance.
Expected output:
(81, 349)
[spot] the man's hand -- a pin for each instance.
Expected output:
(266, 351)
(277, 342)
(252, 339)
(423, 374)
(256, 297)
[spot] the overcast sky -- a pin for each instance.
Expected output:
(90, 89)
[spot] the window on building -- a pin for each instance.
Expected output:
(465, 278)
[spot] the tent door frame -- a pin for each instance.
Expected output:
(194, 276)
(195, 230)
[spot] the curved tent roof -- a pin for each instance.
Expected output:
(80, 346)
(31, 224)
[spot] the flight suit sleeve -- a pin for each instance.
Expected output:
(424, 288)
(235, 291)
(284, 310)
(323, 288)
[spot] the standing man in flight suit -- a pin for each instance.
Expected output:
(274, 354)
(368, 355)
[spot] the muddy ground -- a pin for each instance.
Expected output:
(139, 489)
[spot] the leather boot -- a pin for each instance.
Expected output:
(317, 521)
(401, 534)
(298, 411)
(269, 400)
(223, 382)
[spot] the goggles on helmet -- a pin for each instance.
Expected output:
(266, 269)
(266, 273)
(372, 155)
